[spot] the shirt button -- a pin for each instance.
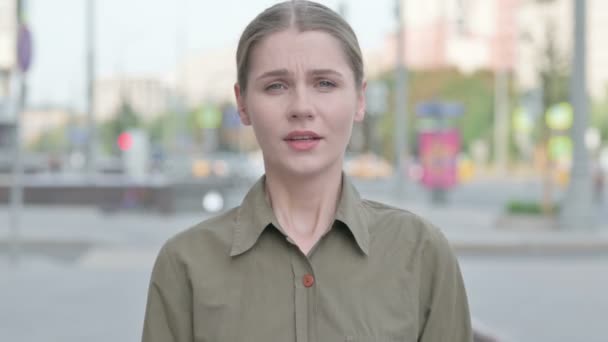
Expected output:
(308, 280)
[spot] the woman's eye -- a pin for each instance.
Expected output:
(275, 86)
(326, 84)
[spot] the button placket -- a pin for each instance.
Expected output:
(304, 281)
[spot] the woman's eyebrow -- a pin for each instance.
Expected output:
(274, 73)
(321, 72)
(285, 72)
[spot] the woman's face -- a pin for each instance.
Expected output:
(301, 100)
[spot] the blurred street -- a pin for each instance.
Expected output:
(83, 274)
(119, 128)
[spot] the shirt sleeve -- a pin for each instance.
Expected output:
(444, 306)
(168, 316)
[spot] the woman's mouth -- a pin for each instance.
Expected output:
(302, 140)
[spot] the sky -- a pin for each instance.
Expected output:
(151, 36)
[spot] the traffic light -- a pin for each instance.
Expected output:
(124, 141)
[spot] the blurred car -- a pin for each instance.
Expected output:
(367, 166)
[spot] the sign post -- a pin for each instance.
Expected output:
(24, 59)
(439, 148)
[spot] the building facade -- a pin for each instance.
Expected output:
(148, 96)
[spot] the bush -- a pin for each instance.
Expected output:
(529, 208)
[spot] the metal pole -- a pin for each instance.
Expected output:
(501, 120)
(16, 184)
(576, 210)
(90, 72)
(400, 105)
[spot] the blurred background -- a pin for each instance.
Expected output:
(118, 129)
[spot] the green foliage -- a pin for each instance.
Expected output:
(554, 76)
(125, 119)
(473, 91)
(51, 141)
(528, 208)
(163, 129)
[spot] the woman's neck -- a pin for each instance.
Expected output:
(305, 207)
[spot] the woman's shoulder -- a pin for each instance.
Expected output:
(210, 234)
(393, 226)
(385, 218)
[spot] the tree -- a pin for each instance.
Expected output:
(554, 80)
(473, 91)
(126, 118)
(53, 140)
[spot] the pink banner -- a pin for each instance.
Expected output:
(438, 155)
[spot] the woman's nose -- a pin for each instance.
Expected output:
(301, 106)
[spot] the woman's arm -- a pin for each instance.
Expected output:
(168, 315)
(445, 310)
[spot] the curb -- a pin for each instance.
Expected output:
(58, 249)
(532, 246)
(462, 245)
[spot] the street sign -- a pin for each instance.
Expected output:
(439, 153)
(560, 116)
(439, 109)
(24, 48)
(77, 136)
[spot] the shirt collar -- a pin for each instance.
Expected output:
(255, 215)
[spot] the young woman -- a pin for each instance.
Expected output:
(304, 258)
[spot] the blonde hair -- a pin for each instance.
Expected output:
(302, 15)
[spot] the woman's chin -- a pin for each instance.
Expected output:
(306, 169)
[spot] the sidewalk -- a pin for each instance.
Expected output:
(67, 232)
(485, 230)
(113, 254)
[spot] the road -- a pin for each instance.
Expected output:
(101, 297)
(87, 278)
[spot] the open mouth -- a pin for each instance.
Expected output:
(302, 135)
(303, 138)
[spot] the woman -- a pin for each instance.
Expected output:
(304, 258)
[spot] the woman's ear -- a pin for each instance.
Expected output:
(361, 104)
(240, 102)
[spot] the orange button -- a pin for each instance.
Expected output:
(308, 280)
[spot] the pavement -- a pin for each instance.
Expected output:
(475, 222)
(473, 230)
(78, 264)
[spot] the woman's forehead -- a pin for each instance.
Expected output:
(291, 50)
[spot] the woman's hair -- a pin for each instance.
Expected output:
(301, 15)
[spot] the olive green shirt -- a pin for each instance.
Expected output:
(379, 274)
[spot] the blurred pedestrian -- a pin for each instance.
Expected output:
(304, 258)
(598, 182)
